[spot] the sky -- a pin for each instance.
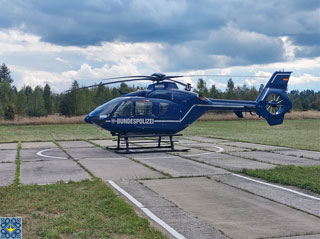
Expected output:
(57, 42)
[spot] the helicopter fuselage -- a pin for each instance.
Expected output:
(161, 109)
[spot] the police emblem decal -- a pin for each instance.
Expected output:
(10, 227)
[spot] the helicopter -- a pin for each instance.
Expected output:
(164, 110)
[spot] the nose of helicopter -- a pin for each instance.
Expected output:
(88, 119)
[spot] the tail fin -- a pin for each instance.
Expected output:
(273, 101)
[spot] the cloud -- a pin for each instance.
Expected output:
(94, 39)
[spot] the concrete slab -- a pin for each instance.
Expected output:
(45, 172)
(260, 147)
(118, 169)
(275, 158)
(207, 139)
(75, 144)
(282, 196)
(105, 142)
(4, 146)
(183, 222)
(53, 154)
(214, 147)
(229, 162)
(227, 148)
(7, 173)
(236, 213)
(91, 152)
(8, 155)
(192, 151)
(300, 237)
(300, 153)
(177, 167)
(38, 145)
(184, 141)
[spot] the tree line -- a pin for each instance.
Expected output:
(41, 101)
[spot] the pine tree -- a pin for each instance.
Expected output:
(102, 95)
(214, 92)
(28, 91)
(5, 74)
(230, 94)
(4, 96)
(36, 103)
(47, 96)
(202, 88)
(21, 103)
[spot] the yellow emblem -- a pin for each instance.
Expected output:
(10, 229)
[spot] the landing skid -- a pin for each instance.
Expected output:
(146, 139)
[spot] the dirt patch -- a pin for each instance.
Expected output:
(211, 116)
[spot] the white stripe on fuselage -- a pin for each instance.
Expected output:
(200, 105)
(179, 121)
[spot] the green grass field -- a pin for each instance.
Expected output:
(87, 209)
(306, 177)
(300, 134)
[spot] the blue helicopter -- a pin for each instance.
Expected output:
(164, 110)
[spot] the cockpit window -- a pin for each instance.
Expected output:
(124, 109)
(143, 108)
(106, 108)
(163, 108)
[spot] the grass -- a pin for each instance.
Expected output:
(300, 134)
(15, 133)
(87, 209)
(17, 176)
(305, 177)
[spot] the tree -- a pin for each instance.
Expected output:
(4, 96)
(36, 103)
(67, 106)
(69, 102)
(5, 74)
(214, 92)
(230, 89)
(102, 95)
(21, 103)
(9, 112)
(202, 88)
(28, 91)
(316, 104)
(47, 97)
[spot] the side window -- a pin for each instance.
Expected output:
(125, 109)
(163, 108)
(143, 108)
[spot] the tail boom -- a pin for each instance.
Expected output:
(272, 103)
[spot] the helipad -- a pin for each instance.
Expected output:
(195, 194)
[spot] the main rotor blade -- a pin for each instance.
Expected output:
(169, 77)
(178, 82)
(124, 77)
(226, 76)
(109, 83)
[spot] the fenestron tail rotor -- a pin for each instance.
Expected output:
(274, 104)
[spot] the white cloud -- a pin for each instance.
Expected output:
(90, 64)
(61, 60)
(304, 79)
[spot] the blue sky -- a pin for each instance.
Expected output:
(57, 42)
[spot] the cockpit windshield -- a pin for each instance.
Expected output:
(106, 108)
